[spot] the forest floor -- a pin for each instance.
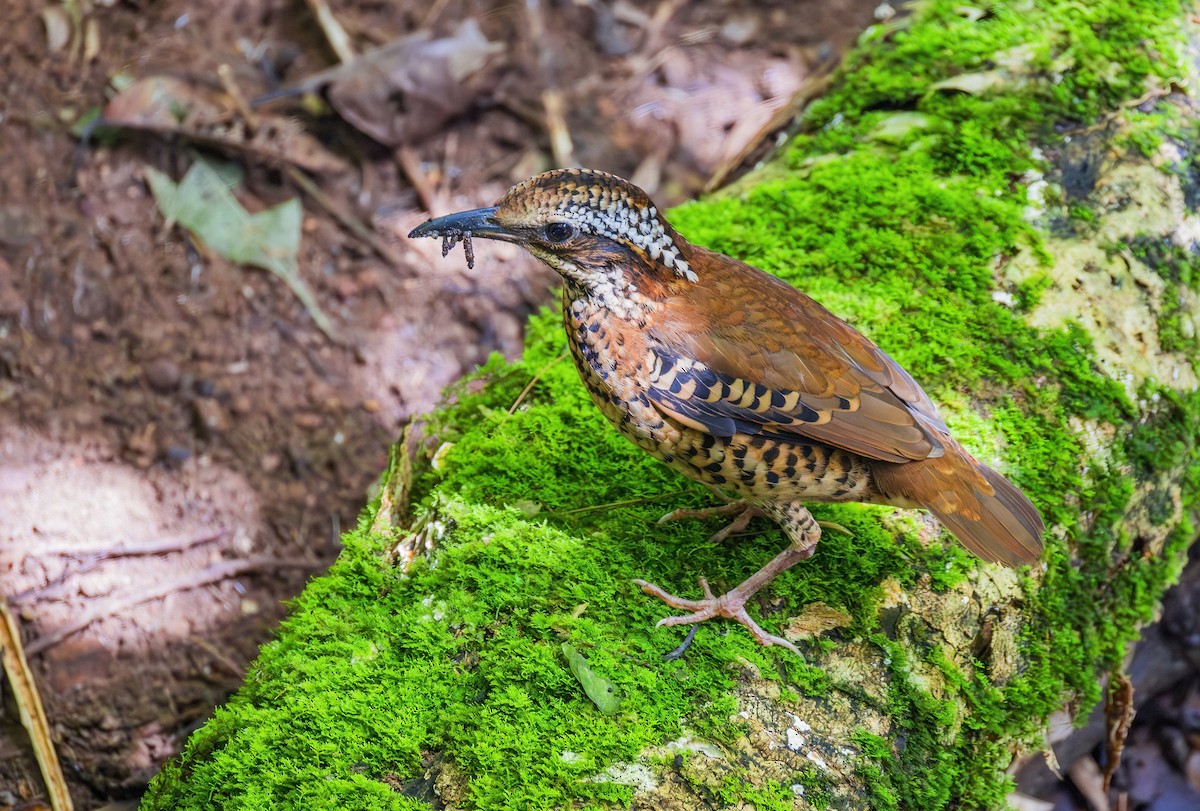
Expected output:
(180, 444)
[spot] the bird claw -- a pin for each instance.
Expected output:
(683, 646)
(746, 513)
(731, 605)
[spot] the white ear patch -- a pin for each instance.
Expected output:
(611, 217)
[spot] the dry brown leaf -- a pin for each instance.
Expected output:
(1118, 715)
(436, 79)
(58, 28)
(816, 619)
(170, 106)
(407, 89)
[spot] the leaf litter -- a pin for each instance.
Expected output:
(204, 204)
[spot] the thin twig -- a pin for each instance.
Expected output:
(50, 546)
(31, 711)
(406, 158)
(90, 561)
(435, 11)
(533, 381)
(627, 503)
(236, 670)
(553, 102)
(658, 24)
(205, 577)
(335, 34)
(812, 86)
(351, 223)
(230, 86)
(561, 146)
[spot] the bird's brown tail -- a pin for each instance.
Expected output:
(984, 510)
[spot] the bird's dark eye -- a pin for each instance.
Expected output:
(559, 231)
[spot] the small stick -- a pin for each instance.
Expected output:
(31, 711)
(626, 503)
(234, 669)
(533, 381)
(205, 577)
(435, 11)
(92, 560)
(72, 549)
(334, 33)
(554, 104)
(561, 145)
(347, 219)
(658, 24)
(230, 86)
(411, 166)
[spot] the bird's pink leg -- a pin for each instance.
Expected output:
(804, 533)
(745, 510)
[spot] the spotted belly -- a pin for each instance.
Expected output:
(615, 367)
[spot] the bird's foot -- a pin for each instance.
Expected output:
(746, 512)
(731, 605)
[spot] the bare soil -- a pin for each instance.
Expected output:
(180, 446)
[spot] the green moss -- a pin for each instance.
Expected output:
(1180, 268)
(816, 789)
(1082, 213)
(547, 513)
(874, 753)
(774, 798)
(1029, 292)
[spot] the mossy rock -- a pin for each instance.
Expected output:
(984, 194)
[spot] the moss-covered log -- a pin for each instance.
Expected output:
(998, 195)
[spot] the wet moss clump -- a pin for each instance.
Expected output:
(896, 206)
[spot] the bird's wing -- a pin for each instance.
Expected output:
(750, 354)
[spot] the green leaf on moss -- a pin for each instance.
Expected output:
(600, 690)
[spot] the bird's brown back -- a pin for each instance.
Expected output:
(744, 324)
(832, 386)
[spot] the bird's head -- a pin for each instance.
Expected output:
(595, 229)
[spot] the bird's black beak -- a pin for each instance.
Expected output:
(479, 222)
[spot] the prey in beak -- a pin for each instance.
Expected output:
(461, 227)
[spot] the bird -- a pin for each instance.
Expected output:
(741, 381)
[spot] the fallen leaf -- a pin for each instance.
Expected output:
(406, 90)
(169, 106)
(204, 204)
(1118, 717)
(896, 127)
(975, 84)
(91, 39)
(58, 28)
(600, 690)
(816, 619)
